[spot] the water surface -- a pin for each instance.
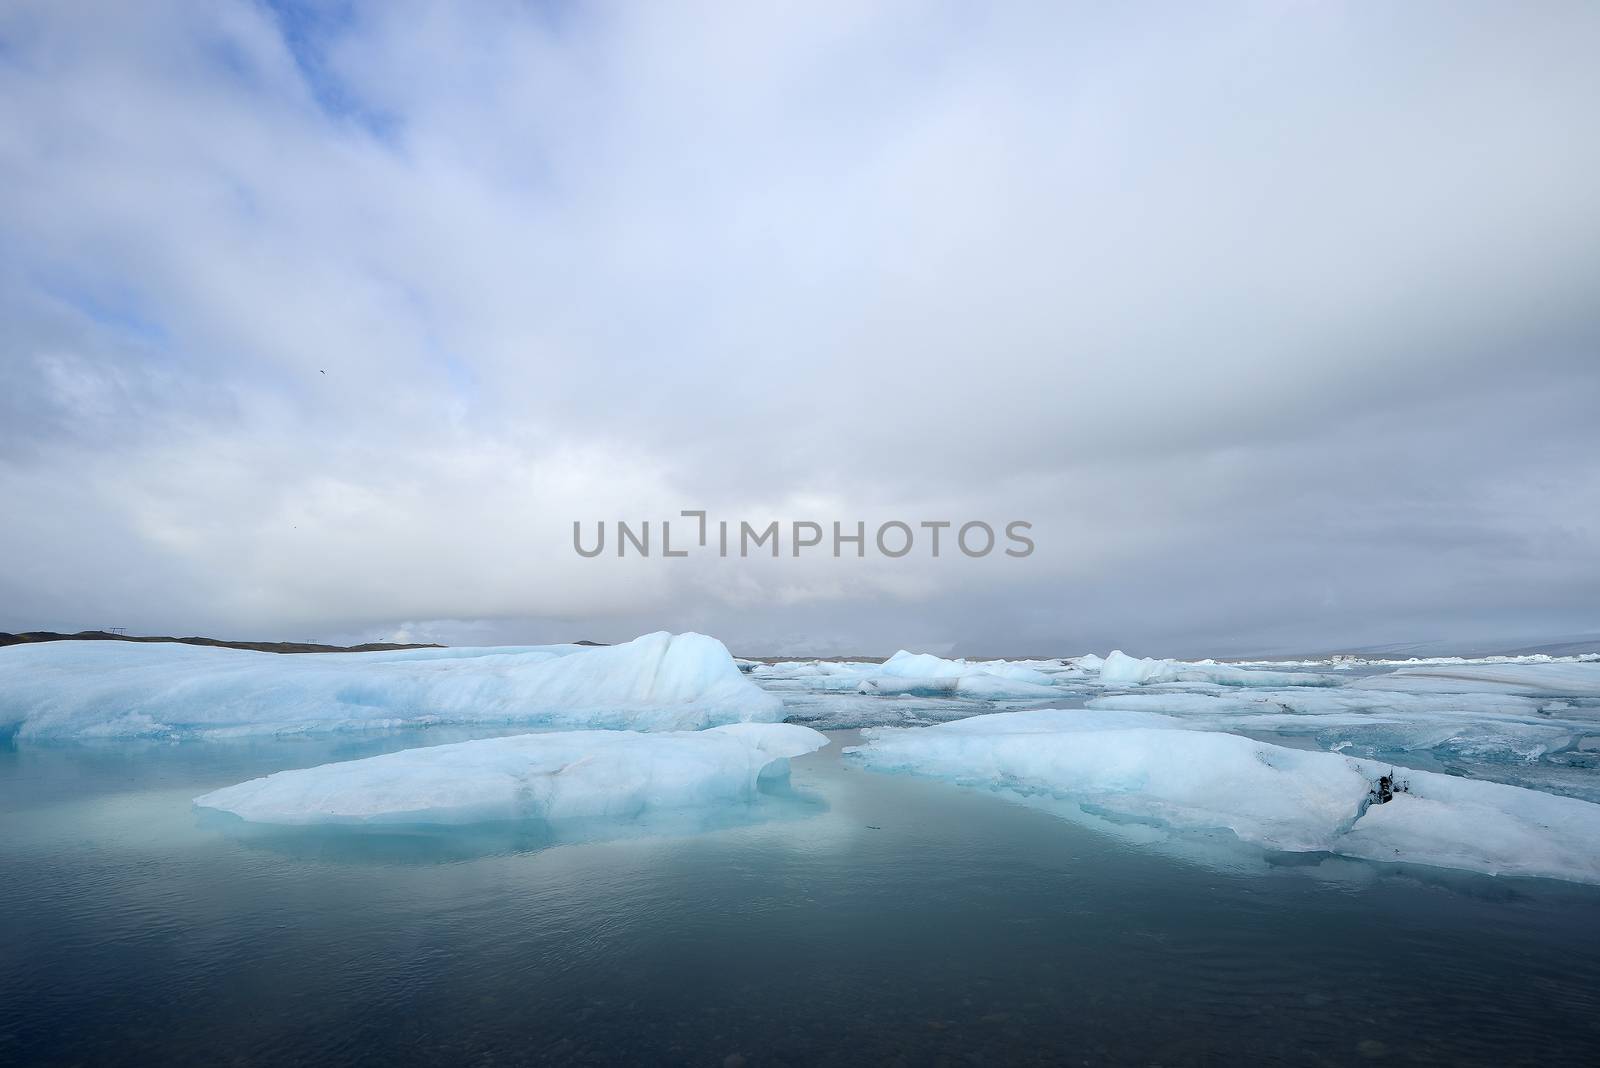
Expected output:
(865, 918)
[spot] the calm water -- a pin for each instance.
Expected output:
(864, 918)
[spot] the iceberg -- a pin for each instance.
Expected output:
(556, 777)
(1119, 670)
(120, 689)
(924, 674)
(927, 666)
(1140, 765)
(921, 675)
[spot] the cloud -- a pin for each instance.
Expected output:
(1281, 324)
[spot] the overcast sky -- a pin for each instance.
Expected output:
(1280, 322)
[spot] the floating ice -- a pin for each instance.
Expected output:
(924, 674)
(841, 711)
(1479, 728)
(563, 776)
(921, 675)
(1540, 678)
(1316, 700)
(1119, 671)
(1134, 764)
(98, 689)
(978, 684)
(927, 666)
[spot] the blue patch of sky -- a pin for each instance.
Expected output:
(557, 15)
(456, 370)
(463, 381)
(108, 305)
(307, 26)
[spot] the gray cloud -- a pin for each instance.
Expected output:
(1282, 324)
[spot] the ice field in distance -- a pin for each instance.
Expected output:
(1500, 757)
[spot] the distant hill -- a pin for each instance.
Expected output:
(260, 647)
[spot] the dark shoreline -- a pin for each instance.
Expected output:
(31, 637)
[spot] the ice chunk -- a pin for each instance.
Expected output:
(922, 666)
(1119, 670)
(978, 684)
(837, 711)
(92, 689)
(1134, 764)
(913, 688)
(922, 675)
(1480, 826)
(802, 668)
(563, 776)
(927, 675)
(927, 666)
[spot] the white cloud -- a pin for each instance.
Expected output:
(335, 323)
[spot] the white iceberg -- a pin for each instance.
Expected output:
(558, 777)
(927, 666)
(920, 675)
(1135, 765)
(105, 689)
(1119, 671)
(927, 675)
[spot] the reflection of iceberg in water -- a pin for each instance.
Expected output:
(775, 802)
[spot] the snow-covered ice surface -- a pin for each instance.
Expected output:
(558, 777)
(103, 689)
(1141, 766)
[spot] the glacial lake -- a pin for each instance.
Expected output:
(856, 917)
